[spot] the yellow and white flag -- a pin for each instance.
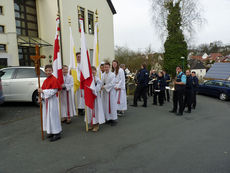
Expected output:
(96, 50)
(73, 62)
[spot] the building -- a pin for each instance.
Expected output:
(25, 23)
(198, 67)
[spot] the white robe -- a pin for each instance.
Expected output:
(68, 108)
(98, 110)
(109, 96)
(51, 118)
(121, 94)
(80, 93)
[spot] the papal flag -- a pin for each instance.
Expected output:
(96, 47)
(73, 62)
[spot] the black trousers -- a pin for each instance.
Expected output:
(194, 99)
(178, 97)
(188, 99)
(140, 91)
(150, 89)
(160, 96)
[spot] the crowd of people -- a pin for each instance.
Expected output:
(110, 93)
(110, 101)
(184, 88)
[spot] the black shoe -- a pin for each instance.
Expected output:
(108, 122)
(187, 111)
(179, 114)
(49, 136)
(113, 123)
(172, 111)
(144, 106)
(161, 104)
(133, 105)
(55, 137)
(154, 104)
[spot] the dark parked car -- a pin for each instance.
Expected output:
(1, 93)
(216, 88)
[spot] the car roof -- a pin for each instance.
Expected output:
(220, 81)
(17, 67)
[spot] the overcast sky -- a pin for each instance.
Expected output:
(133, 27)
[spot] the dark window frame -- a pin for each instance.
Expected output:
(25, 52)
(91, 30)
(22, 10)
(3, 29)
(4, 46)
(1, 10)
(82, 17)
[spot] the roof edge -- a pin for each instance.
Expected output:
(111, 7)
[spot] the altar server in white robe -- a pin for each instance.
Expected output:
(49, 94)
(67, 97)
(109, 95)
(120, 88)
(80, 92)
(96, 116)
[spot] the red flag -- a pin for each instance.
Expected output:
(86, 79)
(57, 65)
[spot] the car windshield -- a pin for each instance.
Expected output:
(227, 85)
(209, 83)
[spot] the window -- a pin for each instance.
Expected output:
(42, 73)
(7, 74)
(25, 73)
(2, 29)
(2, 48)
(24, 55)
(218, 83)
(209, 83)
(82, 12)
(91, 55)
(227, 85)
(91, 22)
(26, 17)
(1, 10)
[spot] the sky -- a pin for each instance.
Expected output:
(133, 26)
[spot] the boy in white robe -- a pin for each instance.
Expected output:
(109, 95)
(96, 116)
(80, 92)
(120, 88)
(67, 97)
(49, 94)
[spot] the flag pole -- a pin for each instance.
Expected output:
(86, 116)
(36, 60)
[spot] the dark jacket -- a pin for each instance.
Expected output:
(195, 83)
(160, 84)
(167, 77)
(189, 83)
(143, 77)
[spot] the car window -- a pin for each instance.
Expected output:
(227, 85)
(218, 83)
(42, 73)
(7, 73)
(25, 73)
(209, 83)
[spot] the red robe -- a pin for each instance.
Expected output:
(51, 83)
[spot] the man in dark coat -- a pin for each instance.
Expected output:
(142, 86)
(188, 91)
(195, 84)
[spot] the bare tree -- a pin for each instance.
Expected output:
(191, 13)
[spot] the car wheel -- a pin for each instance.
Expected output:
(35, 98)
(223, 97)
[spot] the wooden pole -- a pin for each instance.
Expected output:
(36, 60)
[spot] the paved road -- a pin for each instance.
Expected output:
(145, 141)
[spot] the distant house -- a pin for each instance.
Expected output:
(198, 67)
(216, 57)
(219, 71)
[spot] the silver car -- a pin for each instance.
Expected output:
(20, 84)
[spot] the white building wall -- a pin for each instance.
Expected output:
(9, 37)
(47, 12)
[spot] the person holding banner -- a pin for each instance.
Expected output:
(67, 97)
(49, 95)
(96, 116)
(120, 88)
(109, 99)
(80, 92)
